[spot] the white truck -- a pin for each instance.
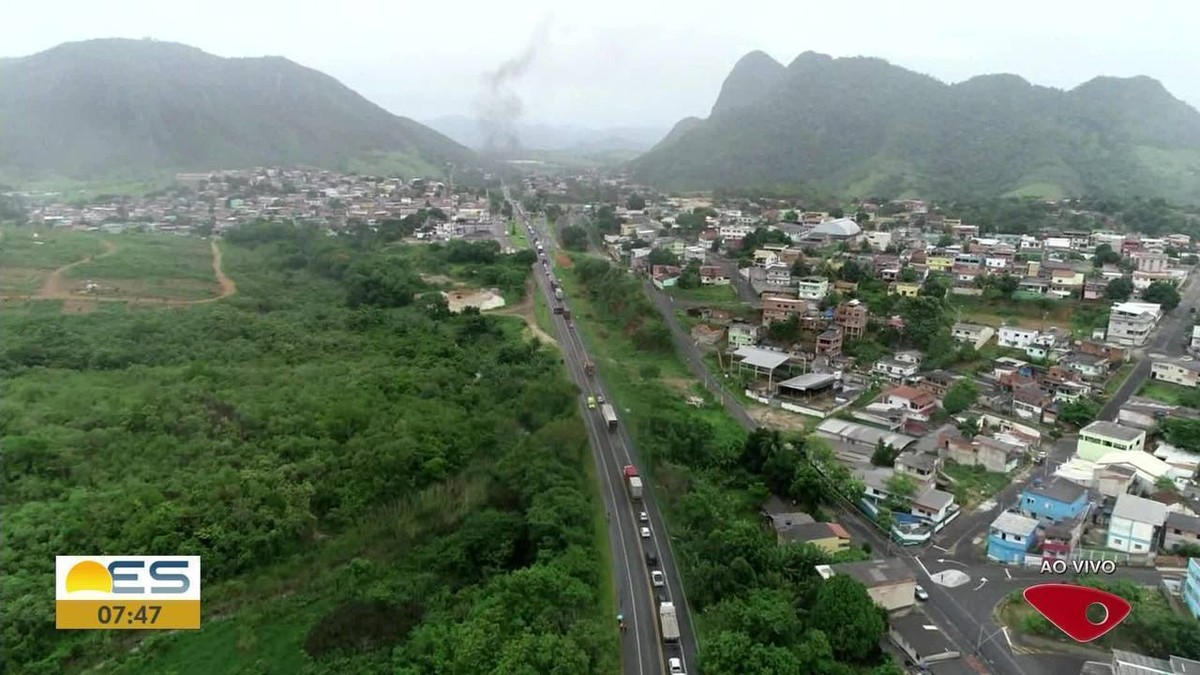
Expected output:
(670, 623)
(558, 294)
(610, 416)
(635, 487)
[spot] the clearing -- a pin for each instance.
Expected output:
(525, 309)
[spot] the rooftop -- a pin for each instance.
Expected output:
(1014, 523)
(920, 633)
(1058, 489)
(1112, 430)
(1183, 522)
(808, 381)
(761, 358)
(842, 227)
(1139, 509)
(863, 434)
(804, 532)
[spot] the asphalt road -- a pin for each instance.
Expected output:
(643, 650)
(965, 613)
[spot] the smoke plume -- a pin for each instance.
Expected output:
(499, 106)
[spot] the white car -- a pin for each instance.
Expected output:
(645, 533)
(643, 517)
(657, 578)
(675, 665)
(921, 593)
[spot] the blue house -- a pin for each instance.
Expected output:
(1054, 501)
(1011, 537)
(1191, 587)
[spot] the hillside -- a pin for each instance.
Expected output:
(106, 108)
(865, 127)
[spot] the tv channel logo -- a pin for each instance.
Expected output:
(127, 592)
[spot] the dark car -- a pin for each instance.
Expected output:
(651, 558)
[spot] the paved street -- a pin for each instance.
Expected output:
(964, 613)
(643, 650)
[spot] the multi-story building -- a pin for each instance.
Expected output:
(901, 367)
(734, 231)
(1016, 336)
(1053, 502)
(779, 274)
(1011, 537)
(1151, 261)
(852, 318)
(743, 334)
(1179, 371)
(1101, 437)
(781, 307)
(1136, 524)
(830, 341)
(1130, 323)
(1191, 587)
(812, 288)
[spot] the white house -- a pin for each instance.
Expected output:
(1135, 524)
(812, 288)
(1184, 372)
(1016, 336)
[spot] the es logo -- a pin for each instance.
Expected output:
(129, 576)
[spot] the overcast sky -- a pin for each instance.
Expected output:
(645, 63)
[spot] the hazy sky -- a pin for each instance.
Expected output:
(621, 62)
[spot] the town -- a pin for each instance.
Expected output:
(1004, 401)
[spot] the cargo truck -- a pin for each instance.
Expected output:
(610, 416)
(635, 487)
(589, 368)
(670, 623)
(558, 294)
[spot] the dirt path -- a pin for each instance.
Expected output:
(525, 310)
(56, 286)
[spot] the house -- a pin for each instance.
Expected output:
(743, 334)
(1130, 323)
(936, 506)
(1053, 501)
(1094, 290)
(781, 307)
(838, 230)
(779, 274)
(921, 640)
(862, 435)
(1059, 539)
(1136, 524)
(829, 537)
(899, 367)
(713, 275)
(890, 583)
(1180, 529)
(1185, 371)
(976, 335)
(665, 276)
(993, 454)
(937, 382)
(1089, 366)
(1100, 438)
(1132, 663)
(1029, 401)
(917, 403)
(1195, 345)
(1191, 587)
(830, 341)
(922, 467)
(905, 289)
(852, 318)
(1011, 537)
(1016, 337)
(1066, 279)
(812, 288)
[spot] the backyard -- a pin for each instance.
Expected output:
(973, 485)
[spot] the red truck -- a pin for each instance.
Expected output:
(630, 471)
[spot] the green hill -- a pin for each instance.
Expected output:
(862, 126)
(115, 107)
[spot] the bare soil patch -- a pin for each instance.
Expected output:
(526, 311)
(777, 418)
(563, 260)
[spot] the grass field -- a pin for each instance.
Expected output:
(151, 266)
(973, 485)
(1080, 318)
(29, 254)
(705, 293)
(1172, 394)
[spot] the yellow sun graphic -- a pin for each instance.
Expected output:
(89, 576)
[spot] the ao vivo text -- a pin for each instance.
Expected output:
(1079, 566)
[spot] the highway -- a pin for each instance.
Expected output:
(643, 650)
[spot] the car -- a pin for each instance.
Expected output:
(643, 517)
(675, 665)
(651, 558)
(591, 400)
(921, 593)
(657, 578)
(645, 533)
(599, 398)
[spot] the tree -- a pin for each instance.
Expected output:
(945, 240)
(960, 396)
(935, 286)
(849, 618)
(1105, 255)
(862, 217)
(837, 212)
(884, 454)
(1183, 433)
(901, 488)
(574, 238)
(909, 274)
(1163, 293)
(790, 216)
(1079, 412)
(851, 271)
(635, 202)
(1119, 290)
(662, 256)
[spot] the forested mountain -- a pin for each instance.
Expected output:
(862, 126)
(134, 107)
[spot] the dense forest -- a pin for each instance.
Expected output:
(373, 483)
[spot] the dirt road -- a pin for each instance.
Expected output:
(57, 287)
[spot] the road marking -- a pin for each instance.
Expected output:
(1008, 574)
(923, 568)
(982, 581)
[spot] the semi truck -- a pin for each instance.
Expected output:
(670, 623)
(610, 416)
(635, 487)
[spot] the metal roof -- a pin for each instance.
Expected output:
(1014, 523)
(761, 358)
(1139, 509)
(808, 381)
(1112, 430)
(863, 434)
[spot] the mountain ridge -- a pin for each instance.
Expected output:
(134, 107)
(866, 127)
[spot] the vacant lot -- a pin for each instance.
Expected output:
(29, 254)
(146, 266)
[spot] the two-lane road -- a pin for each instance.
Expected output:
(643, 650)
